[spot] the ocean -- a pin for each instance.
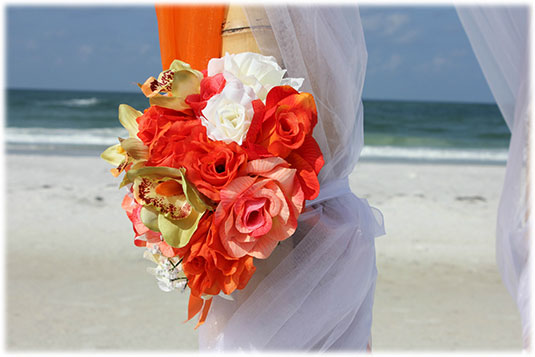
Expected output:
(76, 121)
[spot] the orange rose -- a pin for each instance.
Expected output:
(208, 267)
(156, 119)
(289, 116)
(161, 129)
(212, 165)
(171, 147)
(284, 127)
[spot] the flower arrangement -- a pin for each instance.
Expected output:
(218, 169)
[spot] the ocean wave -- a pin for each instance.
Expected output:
(108, 136)
(434, 154)
(42, 136)
(75, 102)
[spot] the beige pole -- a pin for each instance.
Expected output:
(237, 35)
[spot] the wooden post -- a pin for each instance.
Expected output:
(237, 35)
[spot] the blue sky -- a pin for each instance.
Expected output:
(420, 52)
(414, 53)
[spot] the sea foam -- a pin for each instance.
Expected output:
(48, 136)
(434, 154)
(108, 136)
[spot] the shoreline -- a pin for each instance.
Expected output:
(96, 150)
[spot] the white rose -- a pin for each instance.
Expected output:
(227, 115)
(254, 70)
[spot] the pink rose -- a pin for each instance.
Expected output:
(260, 209)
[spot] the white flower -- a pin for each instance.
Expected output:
(254, 70)
(227, 115)
(168, 271)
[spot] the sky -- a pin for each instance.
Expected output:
(414, 53)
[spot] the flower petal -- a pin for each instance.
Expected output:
(175, 103)
(204, 312)
(263, 166)
(311, 153)
(276, 94)
(149, 217)
(306, 175)
(127, 117)
(194, 306)
(113, 155)
(263, 247)
(177, 233)
(135, 148)
(256, 123)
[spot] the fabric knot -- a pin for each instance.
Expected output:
(330, 190)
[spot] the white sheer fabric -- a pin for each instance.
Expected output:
(500, 39)
(316, 291)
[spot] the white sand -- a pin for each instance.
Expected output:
(438, 285)
(76, 282)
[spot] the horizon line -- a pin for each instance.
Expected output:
(452, 101)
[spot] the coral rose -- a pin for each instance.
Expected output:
(212, 165)
(259, 210)
(284, 128)
(208, 267)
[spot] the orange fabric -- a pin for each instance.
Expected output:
(190, 33)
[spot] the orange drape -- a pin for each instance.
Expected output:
(190, 33)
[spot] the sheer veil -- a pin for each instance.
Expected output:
(316, 291)
(500, 37)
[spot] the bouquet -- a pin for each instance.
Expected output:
(218, 169)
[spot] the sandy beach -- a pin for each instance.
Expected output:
(75, 281)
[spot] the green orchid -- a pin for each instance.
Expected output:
(179, 81)
(171, 205)
(131, 151)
